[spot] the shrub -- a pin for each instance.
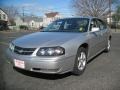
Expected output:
(23, 27)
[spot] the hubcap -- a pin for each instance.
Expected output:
(108, 45)
(81, 61)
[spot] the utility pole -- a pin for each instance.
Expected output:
(110, 12)
(23, 13)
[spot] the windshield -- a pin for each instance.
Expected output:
(68, 25)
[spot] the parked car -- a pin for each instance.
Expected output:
(66, 45)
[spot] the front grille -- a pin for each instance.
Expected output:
(23, 51)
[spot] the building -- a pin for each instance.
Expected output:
(3, 20)
(32, 22)
(109, 18)
(50, 17)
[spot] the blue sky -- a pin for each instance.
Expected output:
(39, 7)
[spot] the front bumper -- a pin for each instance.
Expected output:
(53, 65)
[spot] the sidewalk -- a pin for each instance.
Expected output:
(115, 30)
(14, 31)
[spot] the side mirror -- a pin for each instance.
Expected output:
(94, 29)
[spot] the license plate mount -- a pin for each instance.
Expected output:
(19, 63)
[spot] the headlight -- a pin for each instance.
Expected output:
(51, 51)
(11, 47)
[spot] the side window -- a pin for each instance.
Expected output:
(94, 26)
(4, 17)
(101, 24)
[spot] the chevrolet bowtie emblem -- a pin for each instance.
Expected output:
(20, 51)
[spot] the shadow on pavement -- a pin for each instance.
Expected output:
(43, 76)
(95, 57)
(49, 76)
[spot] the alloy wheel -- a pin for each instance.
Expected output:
(81, 61)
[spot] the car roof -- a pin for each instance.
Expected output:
(88, 17)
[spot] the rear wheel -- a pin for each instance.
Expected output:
(108, 46)
(80, 61)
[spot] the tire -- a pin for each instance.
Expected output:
(108, 46)
(80, 61)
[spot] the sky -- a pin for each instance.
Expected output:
(39, 7)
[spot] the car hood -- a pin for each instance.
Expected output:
(45, 39)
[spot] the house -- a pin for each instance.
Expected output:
(32, 22)
(109, 17)
(3, 20)
(50, 17)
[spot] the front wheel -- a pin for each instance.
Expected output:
(80, 61)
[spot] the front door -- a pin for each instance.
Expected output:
(104, 35)
(95, 39)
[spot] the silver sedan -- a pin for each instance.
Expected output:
(66, 45)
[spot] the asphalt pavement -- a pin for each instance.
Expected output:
(102, 72)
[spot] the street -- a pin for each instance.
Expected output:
(102, 72)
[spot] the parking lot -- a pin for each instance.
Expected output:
(102, 72)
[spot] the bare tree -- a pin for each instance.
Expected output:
(97, 8)
(11, 11)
